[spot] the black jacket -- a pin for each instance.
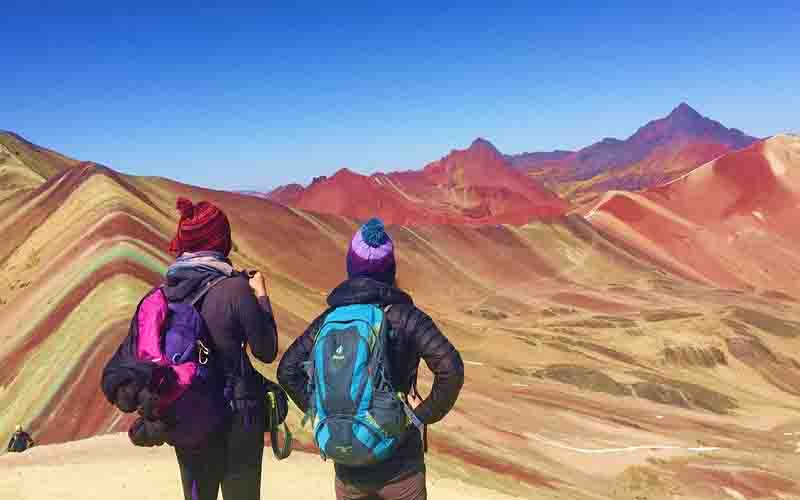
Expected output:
(416, 338)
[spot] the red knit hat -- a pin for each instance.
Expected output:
(202, 227)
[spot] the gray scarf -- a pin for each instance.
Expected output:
(191, 272)
(202, 261)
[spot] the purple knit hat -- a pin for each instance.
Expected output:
(371, 253)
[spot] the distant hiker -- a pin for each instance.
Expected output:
(20, 441)
(351, 371)
(184, 366)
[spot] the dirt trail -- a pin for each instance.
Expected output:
(109, 466)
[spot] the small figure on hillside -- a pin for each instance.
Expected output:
(20, 441)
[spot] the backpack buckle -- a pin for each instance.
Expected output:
(202, 352)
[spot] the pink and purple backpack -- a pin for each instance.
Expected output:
(168, 350)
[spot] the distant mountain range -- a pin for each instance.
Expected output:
(472, 186)
(658, 152)
(481, 185)
(682, 127)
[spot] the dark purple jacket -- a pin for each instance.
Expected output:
(416, 338)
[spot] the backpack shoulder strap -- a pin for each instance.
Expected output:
(211, 284)
(323, 318)
(392, 333)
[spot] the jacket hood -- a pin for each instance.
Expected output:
(191, 272)
(363, 290)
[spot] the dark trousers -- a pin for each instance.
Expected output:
(409, 488)
(231, 459)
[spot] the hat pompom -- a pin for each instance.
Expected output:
(374, 233)
(185, 207)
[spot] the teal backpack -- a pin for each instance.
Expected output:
(358, 418)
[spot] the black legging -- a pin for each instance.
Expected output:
(231, 459)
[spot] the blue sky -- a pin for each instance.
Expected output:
(256, 95)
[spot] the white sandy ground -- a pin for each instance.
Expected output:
(111, 468)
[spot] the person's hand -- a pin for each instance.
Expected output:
(258, 284)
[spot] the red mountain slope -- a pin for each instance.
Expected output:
(662, 166)
(474, 186)
(286, 194)
(710, 223)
